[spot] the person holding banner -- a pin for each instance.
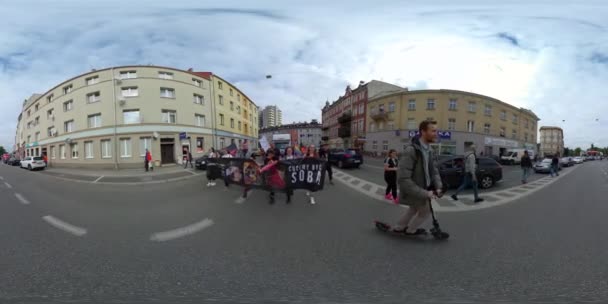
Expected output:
(273, 178)
(289, 153)
(324, 155)
(311, 152)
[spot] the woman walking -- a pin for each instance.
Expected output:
(289, 154)
(391, 165)
(213, 168)
(273, 177)
(311, 152)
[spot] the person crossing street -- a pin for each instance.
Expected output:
(470, 176)
(526, 167)
(391, 165)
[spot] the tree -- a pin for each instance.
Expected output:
(2, 151)
(578, 151)
(566, 151)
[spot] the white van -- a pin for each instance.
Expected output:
(513, 156)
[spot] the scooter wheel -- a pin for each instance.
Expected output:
(440, 235)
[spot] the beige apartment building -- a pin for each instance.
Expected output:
(551, 141)
(108, 118)
(462, 118)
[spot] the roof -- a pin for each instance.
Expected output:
(550, 128)
(206, 75)
(226, 81)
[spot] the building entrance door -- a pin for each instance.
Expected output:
(167, 148)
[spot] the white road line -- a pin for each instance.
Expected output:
(181, 232)
(191, 172)
(69, 228)
(8, 185)
(98, 179)
(372, 166)
(1, 178)
(22, 199)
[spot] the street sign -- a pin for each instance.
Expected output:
(183, 135)
(441, 134)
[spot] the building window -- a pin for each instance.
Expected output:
(93, 97)
(238, 97)
(53, 152)
(222, 119)
(28, 113)
(36, 108)
(231, 93)
(372, 127)
(88, 149)
(106, 149)
(453, 104)
(130, 92)
(374, 145)
(50, 98)
(361, 125)
(128, 74)
(169, 116)
(471, 126)
(411, 124)
(239, 125)
(232, 123)
(488, 110)
(526, 123)
(125, 147)
(391, 107)
(144, 143)
(29, 139)
(486, 128)
(92, 80)
(221, 99)
(238, 109)
(49, 114)
(472, 106)
(219, 85)
(361, 109)
(165, 75)
(385, 145)
(231, 106)
(430, 104)
(68, 106)
(199, 99)
(514, 134)
(381, 108)
(391, 125)
(36, 120)
(37, 136)
(222, 143)
(62, 151)
(199, 120)
(67, 89)
(502, 132)
(411, 105)
(452, 124)
(167, 93)
(94, 121)
(515, 118)
(74, 150)
(526, 137)
(50, 132)
(503, 115)
(68, 126)
(130, 117)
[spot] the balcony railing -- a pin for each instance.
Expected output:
(379, 115)
(344, 132)
(345, 118)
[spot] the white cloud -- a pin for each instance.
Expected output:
(547, 56)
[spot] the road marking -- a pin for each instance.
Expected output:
(69, 228)
(1, 178)
(191, 172)
(372, 166)
(98, 179)
(8, 185)
(22, 199)
(181, 232)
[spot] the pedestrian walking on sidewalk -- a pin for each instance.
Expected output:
(148, 160)
(324, 155)
(188, 159)
(555, 165)
(526, 167)
(419, 180)
(470, 176)
(391, 165)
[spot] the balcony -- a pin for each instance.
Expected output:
(379, 115)
(325, 138)
(344, 132)
(325, 128)
(345, 118)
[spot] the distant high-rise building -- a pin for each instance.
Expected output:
(271, 116)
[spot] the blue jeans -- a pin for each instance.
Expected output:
(554, 170)
(525, 174)
(468, 181)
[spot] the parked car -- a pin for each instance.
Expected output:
(544, 166)
(32, 163)
(201, 162)
(578, 160)
(13, 161)
(345, 158)
(489, 171)
(566, 161)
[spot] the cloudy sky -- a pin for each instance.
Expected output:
(550, 56)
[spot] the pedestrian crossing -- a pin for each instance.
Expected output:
(446, 204)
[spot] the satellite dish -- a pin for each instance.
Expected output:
(155, 135)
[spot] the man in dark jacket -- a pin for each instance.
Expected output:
(419, 180)
(526, 166)
(555, 165)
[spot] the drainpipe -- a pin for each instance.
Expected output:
(213, 115)
(114, 99)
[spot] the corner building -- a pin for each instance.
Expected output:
(107, 118)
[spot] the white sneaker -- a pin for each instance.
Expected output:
(240, 200)
(213, 184)
(307, 193)
(208, 184)
(312, 200)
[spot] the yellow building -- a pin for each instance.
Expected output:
(462, 118)
(109, 117)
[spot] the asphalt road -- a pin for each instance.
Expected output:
(87, 243)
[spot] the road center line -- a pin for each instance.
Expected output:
(22, 199)
(98, 178)
(69, 228)
(1, 178)
(181, 232)
(8, 185)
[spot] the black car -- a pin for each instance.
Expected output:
(489, 171)
(345, 158)
(13, 161)
(201, 162)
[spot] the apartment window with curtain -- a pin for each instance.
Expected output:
(165, 75)
(411, 105)
(130, 92)
(125, 147)
(503, 115)
(169, 116)
(167, 93)
(488, 110)
(93, 97)
(92, 80)
(391, 107)
(68, 126)
(131, 116)
(222, 119)
(68, 89)
(88, 149)
(232, 123)
(239, 125)
(514, 134)
(219, 85)
(199, 99)
(374, 145)
(471, 126)
(385, 145)
(94, 120)
(128, 74)
(144, 143)
(199, 120)
(53, 152)
(411, 124)
(74, 150)
(452, 124)
(502, 132)
(106, 148)
(231, 106)
(221, 99)
(515, 119)
(486, 128)
(472, 106)
(62, 151)
(50, 98)
(452, 104)
(68, 106)
(430, 104)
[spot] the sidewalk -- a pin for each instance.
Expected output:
(123, 176)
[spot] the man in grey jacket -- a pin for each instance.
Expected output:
(470, 176)
(419, 180)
